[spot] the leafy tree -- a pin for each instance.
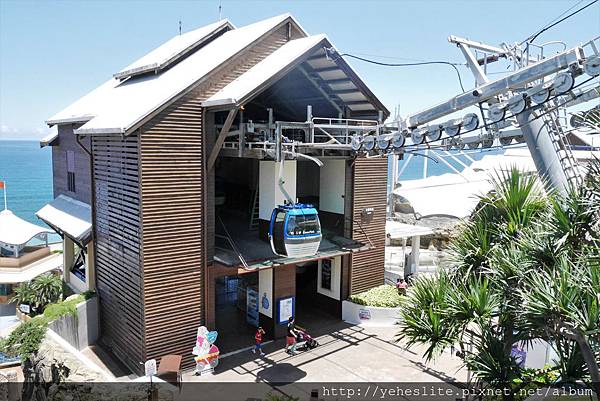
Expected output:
(525, 267)
(25, 340)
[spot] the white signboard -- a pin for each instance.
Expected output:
(265, 292)
(150, 367)
(286, 309)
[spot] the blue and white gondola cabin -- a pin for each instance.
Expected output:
(295, 230)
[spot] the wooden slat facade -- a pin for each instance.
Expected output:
(117, 236)
(369, 191)
(172, 175)
(178, 230)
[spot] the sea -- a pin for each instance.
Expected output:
(26, 170)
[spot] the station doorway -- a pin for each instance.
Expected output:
(315, 311)
(234, 321)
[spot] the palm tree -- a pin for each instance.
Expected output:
(48, 289)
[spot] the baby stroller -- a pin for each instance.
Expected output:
(304, 340)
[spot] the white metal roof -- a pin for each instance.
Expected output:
(70, 216)
(272, 66)
(117, 106)
(16, 231)
(172, 50)
(51, 137)
(395, 229)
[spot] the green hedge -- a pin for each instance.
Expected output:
(385, 296)
(27, 337)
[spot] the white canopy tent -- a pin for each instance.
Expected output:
(16, 232)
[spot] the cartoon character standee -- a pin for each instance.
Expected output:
(206, 352)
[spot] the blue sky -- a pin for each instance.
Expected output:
(53, 52)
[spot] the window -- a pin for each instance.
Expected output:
(303, 225)
(71, 181)
(78, 268)
(6, 289)
(326, 274)
(70, 171)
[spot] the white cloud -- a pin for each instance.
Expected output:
(8, 132)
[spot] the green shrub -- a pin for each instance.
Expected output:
(48, 289)
(24, 294)
(385, 296)
(25, 339)
(64, 308)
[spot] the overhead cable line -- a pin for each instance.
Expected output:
(366, 60)
(552, 20)
(535, 35)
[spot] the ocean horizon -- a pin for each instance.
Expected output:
(26, 170)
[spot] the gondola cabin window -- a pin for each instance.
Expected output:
(326, 274)
(303, 225)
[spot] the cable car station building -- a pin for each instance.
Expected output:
(191, 149)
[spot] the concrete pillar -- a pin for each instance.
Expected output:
(90, 271)
(332, 186)
(269, 193)
(414, 255)
(68, 257)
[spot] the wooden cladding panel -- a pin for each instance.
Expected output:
(369, 191)
(173, 150)
(117, 228)
(172, 174)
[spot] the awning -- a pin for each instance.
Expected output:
(69, 217)
(395, 229)
(16, 231)
(20, 275)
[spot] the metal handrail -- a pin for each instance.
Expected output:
(235, 249)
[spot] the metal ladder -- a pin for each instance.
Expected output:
(569, 164)
(254, 211)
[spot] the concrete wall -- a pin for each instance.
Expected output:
(82, 329)
(332, 186)
(369, 315)
(270, 194)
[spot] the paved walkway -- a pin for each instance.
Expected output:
(347, 354)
